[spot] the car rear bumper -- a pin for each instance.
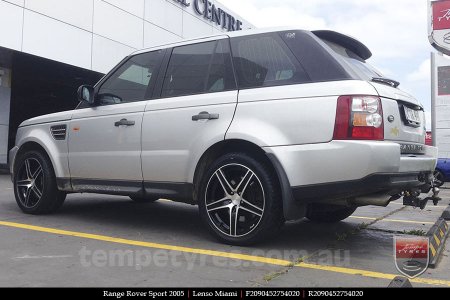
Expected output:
(351, 168)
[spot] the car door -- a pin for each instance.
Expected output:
(196, 107)
(105, 140)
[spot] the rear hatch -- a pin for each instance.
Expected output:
(404, 118)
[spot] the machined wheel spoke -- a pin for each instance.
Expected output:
(24, 183)
(220, 207)
(217, 202)
(28, 169)
(233, 220)
(37, 173)
(245, 181)
(224, 182)
(251, 211)
(252, 205)
(37, 192)
(27, 197)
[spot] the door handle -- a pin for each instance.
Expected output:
(204, 115)
(124, 122)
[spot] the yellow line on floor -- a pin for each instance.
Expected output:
(370, 274)
(392, 220)
(428, 206)
(104, 238)
(244, 257)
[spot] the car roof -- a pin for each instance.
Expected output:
(217, 36)
(333, 36)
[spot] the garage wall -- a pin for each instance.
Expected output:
(5, 100)
(97, 34)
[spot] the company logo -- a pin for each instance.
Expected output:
(441, 15)
(446, 38)
(411, 255)
(446, 15)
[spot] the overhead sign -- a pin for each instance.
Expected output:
(214, 14)
(439, 25)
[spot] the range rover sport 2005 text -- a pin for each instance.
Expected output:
(255, 127)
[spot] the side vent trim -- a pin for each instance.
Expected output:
(59, 132)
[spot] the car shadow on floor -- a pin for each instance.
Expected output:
(120, 214)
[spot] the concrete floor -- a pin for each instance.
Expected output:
(31, 257)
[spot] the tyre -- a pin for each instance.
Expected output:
(140, 199)
(328, 213)
(438, 178)
(35, 185)
(240, 200)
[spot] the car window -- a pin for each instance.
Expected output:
(133, 81)
(199, 68)
(264, 60)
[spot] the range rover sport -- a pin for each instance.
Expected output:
(255, 127)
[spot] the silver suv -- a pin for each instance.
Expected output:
(254, 127)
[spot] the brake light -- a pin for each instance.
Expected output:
(359, 118)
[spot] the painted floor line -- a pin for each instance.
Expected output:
(428, 206)
(370, 274)
(244, 257)
(392, 220)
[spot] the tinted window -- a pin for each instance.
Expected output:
(264, 60)
(132, 81)
(199, 68)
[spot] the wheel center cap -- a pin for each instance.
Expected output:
(236, 199)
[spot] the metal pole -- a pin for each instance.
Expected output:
(433, 98)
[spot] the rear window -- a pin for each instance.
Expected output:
(363, 69)
(265, 60)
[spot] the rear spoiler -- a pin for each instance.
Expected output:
(345, 41)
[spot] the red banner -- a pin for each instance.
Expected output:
(441, 15)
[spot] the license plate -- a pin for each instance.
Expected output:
(412, 116)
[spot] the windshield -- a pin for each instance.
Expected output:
(355, 63)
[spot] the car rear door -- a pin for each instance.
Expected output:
(196, 107)
(105, 140)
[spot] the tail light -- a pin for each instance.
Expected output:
(359, 118)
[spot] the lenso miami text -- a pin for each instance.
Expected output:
(150, 294)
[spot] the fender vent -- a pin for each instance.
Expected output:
(59, 132)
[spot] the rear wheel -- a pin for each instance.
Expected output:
(140, 199)
(328, 213)
(438, 178)
(35, 186)
(240, 201)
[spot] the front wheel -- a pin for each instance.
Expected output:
(239, 200)
(35, 186)
(329, 213)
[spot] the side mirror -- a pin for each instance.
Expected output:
(86, 94)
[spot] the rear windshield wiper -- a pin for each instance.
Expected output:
(387, 81)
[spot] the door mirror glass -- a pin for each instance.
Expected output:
(86, 94)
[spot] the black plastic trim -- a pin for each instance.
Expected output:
(389, 183)
(292, 210)
(182, 192)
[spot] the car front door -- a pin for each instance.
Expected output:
(105, 140)
(196, 107)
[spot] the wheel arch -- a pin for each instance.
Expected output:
(34, 145)
(290, 209)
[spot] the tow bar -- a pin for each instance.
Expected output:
(411, 198)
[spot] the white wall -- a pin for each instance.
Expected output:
(97, 34)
